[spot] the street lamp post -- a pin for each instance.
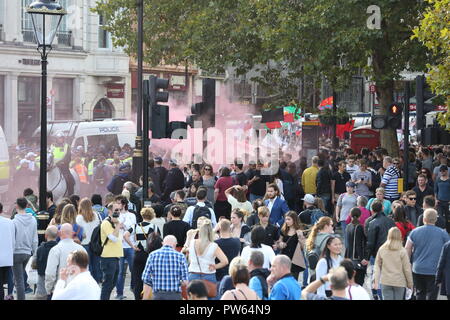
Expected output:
(46, 15)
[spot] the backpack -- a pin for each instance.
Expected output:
(316, 214)
(200, 212)
(313, 256)
(100, 176)
(96, 244)
(153, 240)
(264, 286)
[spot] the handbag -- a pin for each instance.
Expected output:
(211, 287)
(356, 262)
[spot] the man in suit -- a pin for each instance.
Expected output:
(276, 205)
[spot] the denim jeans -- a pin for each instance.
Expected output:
(10, 282)
(94, 264)
(110, 269)
(128, 255)
(326, 198)
(393, 293)
(20, 262)
(210, 277)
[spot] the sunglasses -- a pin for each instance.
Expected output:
(207, 169)
(412, 198)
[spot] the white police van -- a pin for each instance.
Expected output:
(107, 132)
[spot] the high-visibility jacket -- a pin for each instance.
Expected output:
(81, 170)
(59, 152)
(91, 167)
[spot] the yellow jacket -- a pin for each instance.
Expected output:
(309, 180)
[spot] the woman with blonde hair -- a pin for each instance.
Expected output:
(193, 234)
(241, 277)
(69, 215)
(392, 263)
(88, 220)
(58, 211)
(202, 256)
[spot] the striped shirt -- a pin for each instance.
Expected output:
(390, 178)
(165, 269)
(141, 232)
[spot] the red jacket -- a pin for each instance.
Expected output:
(404, 229)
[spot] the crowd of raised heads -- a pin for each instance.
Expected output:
(337, 226)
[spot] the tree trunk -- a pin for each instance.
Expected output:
(388, 136)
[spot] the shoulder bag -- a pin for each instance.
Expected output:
(211, 287)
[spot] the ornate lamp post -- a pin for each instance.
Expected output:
(46, 15)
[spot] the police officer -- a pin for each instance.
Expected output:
(61, 157)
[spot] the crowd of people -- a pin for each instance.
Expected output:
(337, 226)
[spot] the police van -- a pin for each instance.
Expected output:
(107, 132)
(4, 163)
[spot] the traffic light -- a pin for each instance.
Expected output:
(422, 108)
(209, 101)
(394, 119)
(159, 123)
(205, 111)
(379, 122)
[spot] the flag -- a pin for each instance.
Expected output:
(272, 115)
(291, 113)
(273, 125)
(326, 104)
(341, 128)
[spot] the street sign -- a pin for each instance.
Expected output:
(49, 101)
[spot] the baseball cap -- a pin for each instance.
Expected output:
(443, 168)
(31, 154)
(173, 162)
(350, 184)
(23, 161)
(309, 198)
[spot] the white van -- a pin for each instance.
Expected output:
(107, 132)
(4, 163)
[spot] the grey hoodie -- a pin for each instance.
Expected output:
(26, 234)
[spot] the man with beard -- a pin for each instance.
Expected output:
(276, 205)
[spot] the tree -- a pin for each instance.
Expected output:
(308, 37)
(434, 33)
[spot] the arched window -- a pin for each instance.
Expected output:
(103, 109)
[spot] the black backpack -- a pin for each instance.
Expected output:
(313, 256)
(200, 212)
(96, 244)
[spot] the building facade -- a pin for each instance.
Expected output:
(87, 77)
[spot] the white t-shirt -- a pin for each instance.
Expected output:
(247, 206)
(322, 270)
(267, 251)
(129, 220)
(88, 227)
(356, 292)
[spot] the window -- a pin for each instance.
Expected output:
(104, 37)
(27, 25)
(63, 99)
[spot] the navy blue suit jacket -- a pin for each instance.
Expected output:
(279, 209)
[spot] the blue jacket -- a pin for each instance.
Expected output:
(443, 270)
(278, 211)
(287, 288)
